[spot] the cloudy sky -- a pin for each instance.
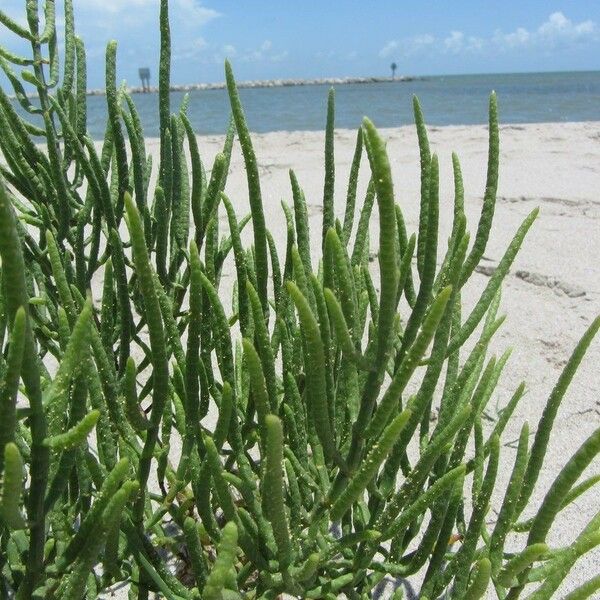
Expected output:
(273, 38)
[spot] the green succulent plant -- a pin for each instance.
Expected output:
(323, 473)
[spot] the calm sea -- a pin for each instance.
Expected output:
(448, 100)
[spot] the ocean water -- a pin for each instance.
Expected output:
(446, 100)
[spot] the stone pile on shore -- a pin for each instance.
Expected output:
(270, 83)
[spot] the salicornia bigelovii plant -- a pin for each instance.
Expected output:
(324, 473)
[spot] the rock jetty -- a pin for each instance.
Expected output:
(270, 83)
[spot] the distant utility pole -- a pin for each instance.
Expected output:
(393, 66)
(145, 77)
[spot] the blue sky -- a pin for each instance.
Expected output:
(314, 38)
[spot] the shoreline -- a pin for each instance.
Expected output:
(346, 131)
(507, 126)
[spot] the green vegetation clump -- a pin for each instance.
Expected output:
(324, 472)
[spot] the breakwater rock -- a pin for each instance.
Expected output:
(269, 83)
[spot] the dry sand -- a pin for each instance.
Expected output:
(553, 291)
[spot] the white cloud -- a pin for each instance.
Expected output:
(264, 52)
(519, 37)
(419, 42)
(229, 50)
(279, 56)
(407, 46)
(454, 42)
(559, 26)
(557, 30)
(458, 42)
(321, 54)
(194, 12)
(190, 49)
(475, 43)
(388, 49)
(112, 6)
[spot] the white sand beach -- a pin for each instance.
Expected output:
(553, 291)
